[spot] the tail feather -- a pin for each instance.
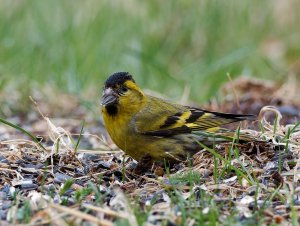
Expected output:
(211, 119)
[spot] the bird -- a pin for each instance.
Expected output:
(142, 125)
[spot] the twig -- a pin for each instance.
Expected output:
(80, 214)
(36, 106)
(106, 211)
(236, 98)
(47, 221)
(13, 171)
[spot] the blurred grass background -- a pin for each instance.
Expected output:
(166, 45)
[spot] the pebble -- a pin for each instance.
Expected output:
(3, 214)
(61, 178)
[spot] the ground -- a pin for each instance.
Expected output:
(66, 172)
(57, 170)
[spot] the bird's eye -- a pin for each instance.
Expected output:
(123, 89)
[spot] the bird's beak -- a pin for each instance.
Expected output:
(109, 97)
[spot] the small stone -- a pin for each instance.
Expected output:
(3, 214)
(159, 171)
(61, 178)
(3, 195)
(6, 205)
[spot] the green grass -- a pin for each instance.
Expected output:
(166, 45)
(189, 177)
(186, 192)
(34, 138)
(67, 185)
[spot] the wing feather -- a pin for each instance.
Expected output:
(166, 119)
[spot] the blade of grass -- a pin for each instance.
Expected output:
(290, 131)
(67, 185)
(23, 131)
(79, 138)
(57, 146)
(276, 123)
(270, 198)
(213, 152)
(237, 138)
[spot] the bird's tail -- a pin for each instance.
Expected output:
(224, 136)
(209, 120)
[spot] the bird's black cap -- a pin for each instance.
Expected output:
(118, 78)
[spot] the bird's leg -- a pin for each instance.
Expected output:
(145, 163)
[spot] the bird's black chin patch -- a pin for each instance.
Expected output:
(111, 109)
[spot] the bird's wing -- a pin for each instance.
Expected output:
(160, 118)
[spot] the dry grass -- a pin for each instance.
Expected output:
(62, 183)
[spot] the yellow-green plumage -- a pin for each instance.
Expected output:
(140, 124)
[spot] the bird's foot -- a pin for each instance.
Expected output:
(144, 164)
